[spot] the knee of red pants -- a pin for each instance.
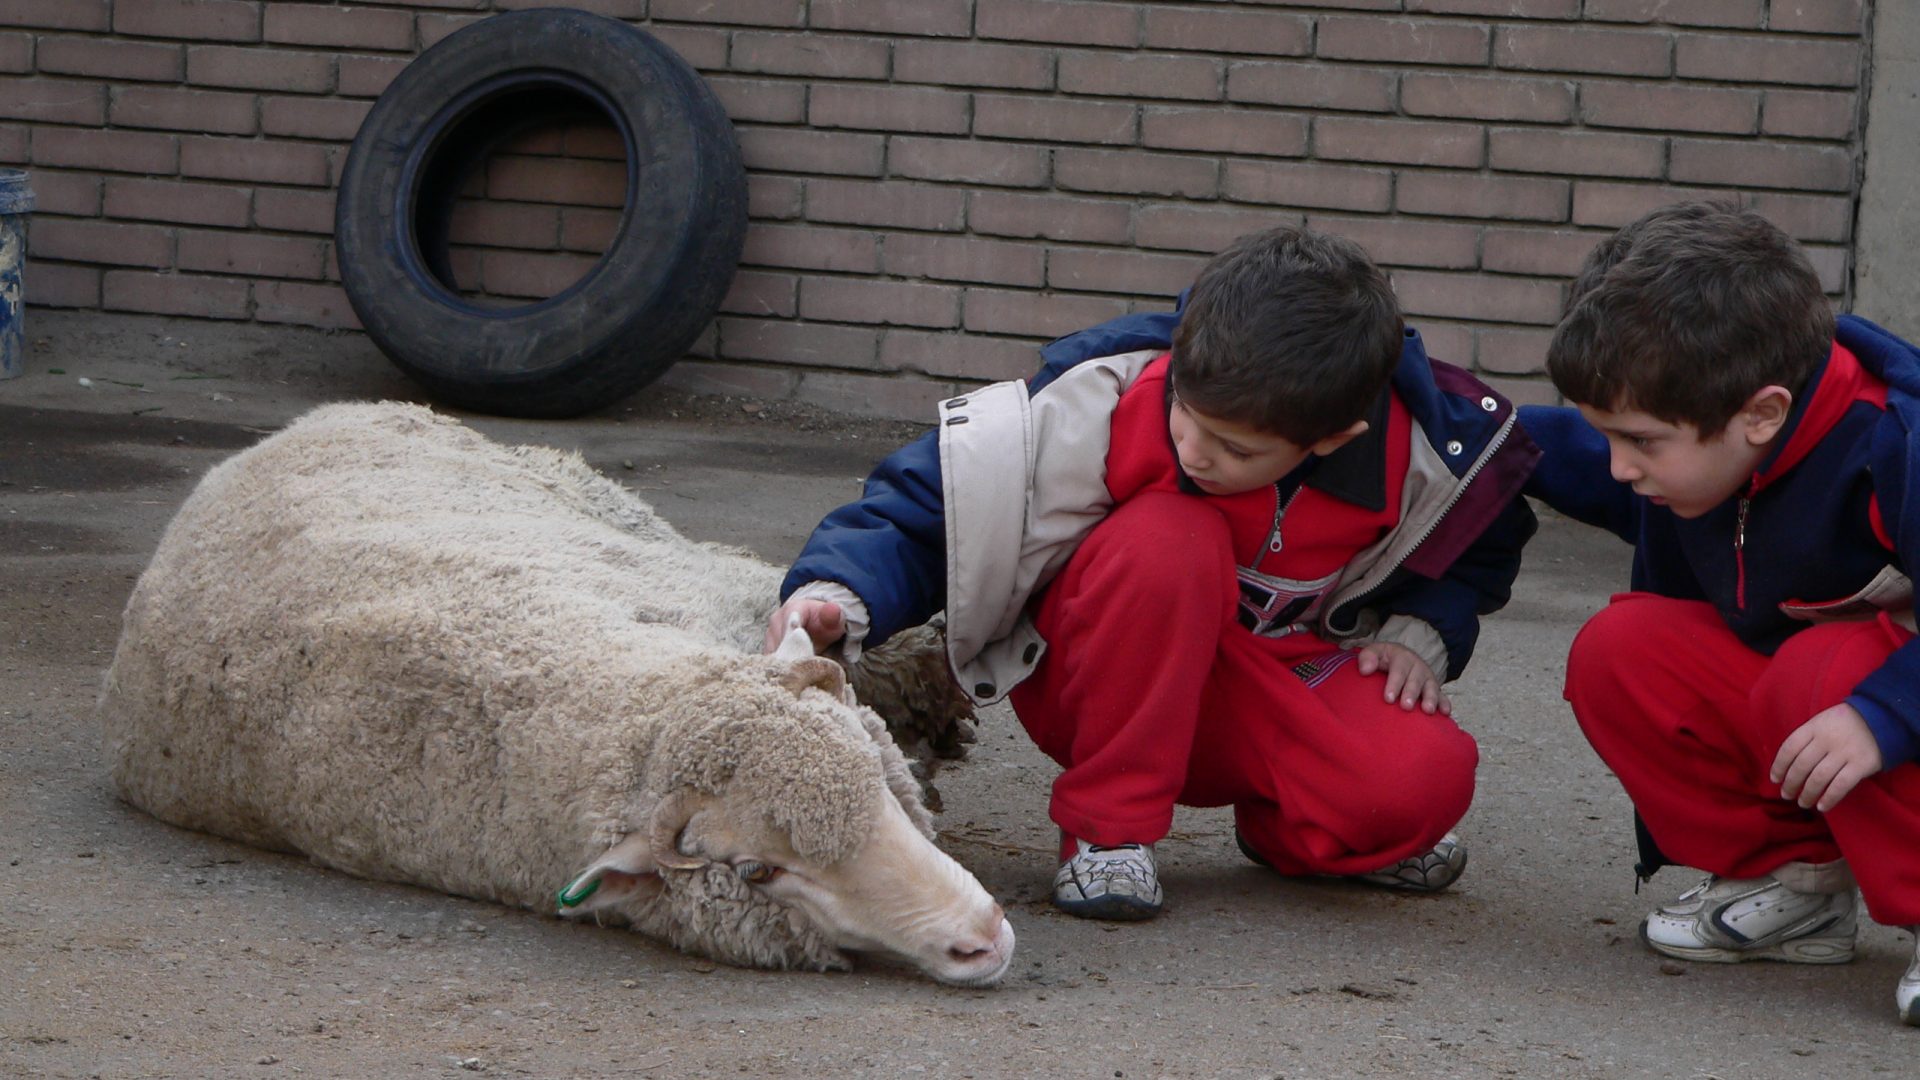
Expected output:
(1816, 669)
(1615, 651)
(1153, 548)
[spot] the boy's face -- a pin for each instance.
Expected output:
(1225, 457)
(1674, 467)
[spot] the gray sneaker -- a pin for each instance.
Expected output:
(1430, 871)
(1906, 996)
(1117, 882)
(1727, 920)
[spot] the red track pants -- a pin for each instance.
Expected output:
(1690, 719)
(1152, 694)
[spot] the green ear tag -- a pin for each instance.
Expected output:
(572, 896)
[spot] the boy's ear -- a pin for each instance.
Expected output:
(1338, 439)
(1765, 412)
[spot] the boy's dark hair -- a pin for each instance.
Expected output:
(1686, 312)
(1287, 331)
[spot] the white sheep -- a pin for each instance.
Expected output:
(415, 655)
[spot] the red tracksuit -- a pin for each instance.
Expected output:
(1153, 694)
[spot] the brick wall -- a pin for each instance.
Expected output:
(938, 185)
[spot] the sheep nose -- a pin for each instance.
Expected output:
(984, 942)
(962, 953)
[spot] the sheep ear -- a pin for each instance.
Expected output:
(817, 671)
(626, 873)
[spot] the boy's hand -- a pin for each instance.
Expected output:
(1409, 680)
(823, 621)
(1825, 757)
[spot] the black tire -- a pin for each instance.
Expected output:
(652, 292)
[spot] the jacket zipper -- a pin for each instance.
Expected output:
(1740, 554)
(1279, 511)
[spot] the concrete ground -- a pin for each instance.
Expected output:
(132, 949)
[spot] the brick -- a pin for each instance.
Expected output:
(1478, 297)
(57, 14)
(955, 258)
(1523, 391)
(1066, 22)
(901, 206)
(612, 9)
(1809, 114)
(1762, 165)
(557, 180)
(61, 285)
(529, 275)
(261, 69)
(1831, 265)
(965, 161)
(588, 230)
(339, 27)
(251, 254)
(903, 18)
(800, 150)
(1135, 173)
(1538, 252)
(313, 118)
(1405, 142)
(1140, 76)
(13, 144)
(1050, 217)
(1817, 16)
(1501, 9)
(763, 101)
(54, 101)
(193, 20)
(368, 76)
(502, 224)
(294, 210)
(1038, 315)
(1807, 217)
(1312, 86)
(1511, 351)
(1135, 273)
(1407, 241)
(172, 200)
(1192, 228)
(734, 12)
(1308, 185)
(433, 29)
(256, 160)
(889, 303)
(185, 110)
(174, 294)
(1225, 131)
(1055, 120)
(961, 356)
(100, 242)
(1411, 41)
(972, 64)
(593, 139)
(16, 52)
(77, 194)
(1795, 61)
(778, 197)
(1670, 107)
(1604, 52)
(704, 47)
(1579, 153)
(817, 55)
(754, 292)
(800, 343)
(1613, 205)
(854, 251)
(1736, 13)
(921, 110)
(1474, 97)
(1200, 30)
(107, 151)
(109, 59)
(1500, 198)
(470, 5)
(1452, 342)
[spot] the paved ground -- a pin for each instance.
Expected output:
(131, 949)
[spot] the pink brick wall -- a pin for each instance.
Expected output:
(939, 185)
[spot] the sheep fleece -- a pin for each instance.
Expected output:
(416, 655)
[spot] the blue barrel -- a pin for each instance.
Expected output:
(16, 202)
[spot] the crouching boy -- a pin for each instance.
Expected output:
(1235, 574)
(1758, 693)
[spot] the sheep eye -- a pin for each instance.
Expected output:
(756, 873)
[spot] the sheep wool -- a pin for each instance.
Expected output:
(412, 654)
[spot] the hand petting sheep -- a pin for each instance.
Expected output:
(415, 655)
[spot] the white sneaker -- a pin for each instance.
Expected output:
(1727, 920)
(1117, 882)
(1906, 996)
(1430, 871)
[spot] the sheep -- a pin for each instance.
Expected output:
(412, 654)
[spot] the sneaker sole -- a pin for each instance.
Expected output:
(1801, 951)
(1112, 908)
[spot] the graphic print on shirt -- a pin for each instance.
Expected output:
(1275, 606)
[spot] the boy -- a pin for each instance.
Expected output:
(1757, 692)
(1232, 575)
